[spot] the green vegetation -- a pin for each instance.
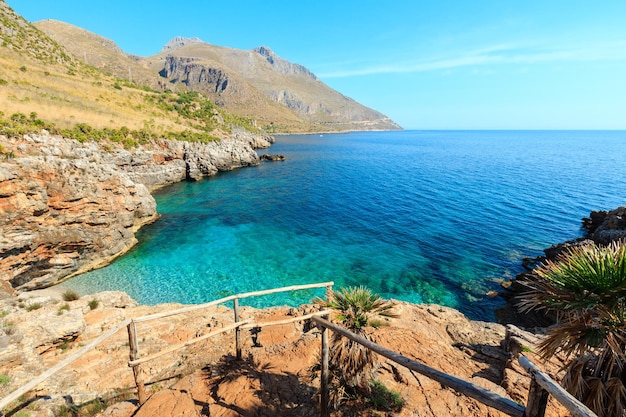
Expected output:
(70, 295)
(93, 304)
(5, 380)
(64, 307)
(34, 306)
(8, 327)
(384, 399)
(352, 365)
(586, 289)
(94, 407)
(65, 345)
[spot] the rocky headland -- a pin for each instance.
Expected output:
(68, 207)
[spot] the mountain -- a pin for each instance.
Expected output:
(258, 84)
(99, 52)
(232, 76)
(45, 83)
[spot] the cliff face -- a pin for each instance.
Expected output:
(66, 207)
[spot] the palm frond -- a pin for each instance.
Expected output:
(574, 379)
(595, 395)
(616, 393)
(586, 289)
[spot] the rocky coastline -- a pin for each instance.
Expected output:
(601, 228)
(68, 207)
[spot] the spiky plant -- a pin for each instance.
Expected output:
(586, 289)
(351, 364)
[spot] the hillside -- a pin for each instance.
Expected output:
(245, 72)
(257, 84)
(100, 53)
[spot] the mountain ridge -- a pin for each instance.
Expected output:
(282, 96)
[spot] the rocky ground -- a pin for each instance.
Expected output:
(275, 378)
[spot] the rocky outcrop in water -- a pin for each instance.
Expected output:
(602, 228)
(67, 207)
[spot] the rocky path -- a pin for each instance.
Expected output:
(275, 379)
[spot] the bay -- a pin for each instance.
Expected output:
(423, 216)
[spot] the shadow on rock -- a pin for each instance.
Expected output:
(249, 389)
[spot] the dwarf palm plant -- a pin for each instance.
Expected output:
(586, 288)
(351, 364)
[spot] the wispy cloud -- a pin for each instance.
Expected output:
(494, 55)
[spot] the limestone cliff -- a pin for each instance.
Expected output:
(67, 207)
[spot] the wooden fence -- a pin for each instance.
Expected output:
(135, 359)
(541, 384)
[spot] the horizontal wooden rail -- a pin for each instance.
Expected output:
(485, 396)
(287, 321)
(4, 402)
(230, 298)
(36, 381)
(187, 343)
(574, 406)
(285, 289)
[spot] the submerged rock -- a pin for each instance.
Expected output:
(270, 157)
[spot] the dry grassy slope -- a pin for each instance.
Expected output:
(99, 52)
(39, 75)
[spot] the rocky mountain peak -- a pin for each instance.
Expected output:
(179, 42)
(281, 65)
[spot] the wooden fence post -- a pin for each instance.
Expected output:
(537, 399)
(133, 343)
(324, 394)
(237, 330)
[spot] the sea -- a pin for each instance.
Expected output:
(422, 216)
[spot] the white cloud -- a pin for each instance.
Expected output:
(496, 54)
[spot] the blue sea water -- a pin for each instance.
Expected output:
(423, 216)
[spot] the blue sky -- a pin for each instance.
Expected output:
(426, 64)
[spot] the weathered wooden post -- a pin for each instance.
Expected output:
(237, 330)
(324, 394)
(537, 399)
(133, 343)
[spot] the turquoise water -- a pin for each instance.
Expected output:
(427, 217)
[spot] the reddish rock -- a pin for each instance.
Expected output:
(169, 402)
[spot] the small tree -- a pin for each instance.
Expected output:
(351, 364)
(586, 289)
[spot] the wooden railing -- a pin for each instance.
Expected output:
(136, 361)
(133, 340)
(541, 384)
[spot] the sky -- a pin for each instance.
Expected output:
(427, 64)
